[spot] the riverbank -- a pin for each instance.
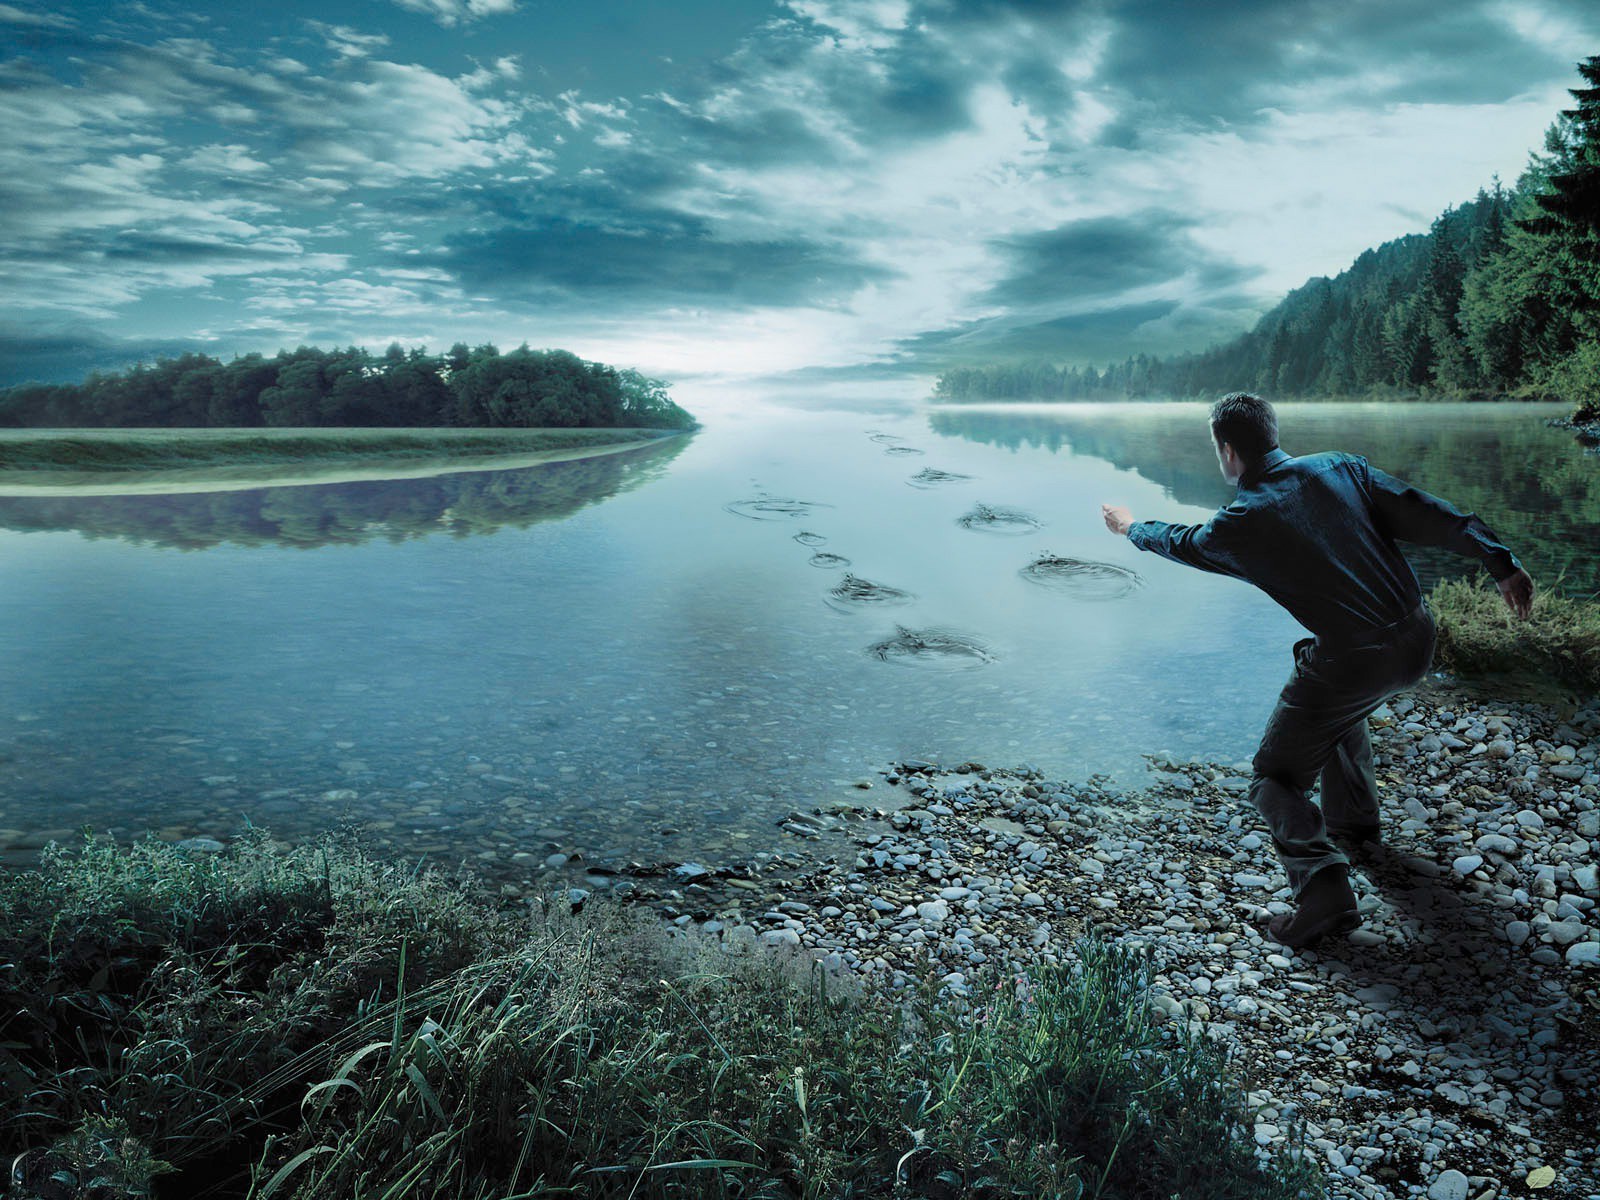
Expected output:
(1452, 1044)
(1449, 1048)
(101, 461)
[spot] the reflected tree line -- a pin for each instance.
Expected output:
(347, 514)
(1500, 297)
(1530, 484)
(478, 387)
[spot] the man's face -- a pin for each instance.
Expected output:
(1227, 460)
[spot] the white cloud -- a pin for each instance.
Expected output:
(456, 12)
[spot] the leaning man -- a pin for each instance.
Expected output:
(1317, 533)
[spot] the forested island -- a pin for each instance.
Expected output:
(1500, 298)
(474, 387)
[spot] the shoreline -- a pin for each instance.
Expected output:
(428, 456)
(1457, 1031)
(1451, 1046)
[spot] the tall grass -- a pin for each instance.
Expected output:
(1479, 635)
(316, 1023)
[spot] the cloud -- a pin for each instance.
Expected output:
(648, 257)
(104, 204)
(65, 354)
(11, 15)
(457, 12)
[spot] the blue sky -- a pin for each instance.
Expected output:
(719, 189)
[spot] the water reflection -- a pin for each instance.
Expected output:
(1531, 484)
(307, 516)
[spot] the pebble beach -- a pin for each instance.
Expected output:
(1449, 1048)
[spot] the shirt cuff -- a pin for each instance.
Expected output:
(1503, 568)
(1139, 531)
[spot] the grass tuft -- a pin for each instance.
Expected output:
(281, 1024)
(1479, 635)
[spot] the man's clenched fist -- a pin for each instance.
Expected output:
(1117, 519)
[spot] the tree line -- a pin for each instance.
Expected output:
(1501, 297)
(309, 386)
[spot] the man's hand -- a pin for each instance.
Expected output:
(1516, 590)
(1117, 519)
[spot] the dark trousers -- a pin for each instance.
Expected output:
(1319, 727)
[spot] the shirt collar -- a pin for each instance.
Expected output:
(1262, 465)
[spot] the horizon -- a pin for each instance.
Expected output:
(790, 192)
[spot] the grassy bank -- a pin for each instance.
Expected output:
(1478, 635)
(92, 450)
(313, 1022)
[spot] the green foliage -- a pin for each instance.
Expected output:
(313, 1023)
(351, 387)
(1478, 635)
(1500, 297)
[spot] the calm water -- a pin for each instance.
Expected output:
(634, 656)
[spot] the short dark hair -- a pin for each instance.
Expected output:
(1245, 422)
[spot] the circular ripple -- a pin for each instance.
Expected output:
(932, 477)
(854, 592)
(931, 647)
(806, 538)
(902, 450)
(990, 519)
(823, 559)
(887, 438)
(773, 508)
(1084, 578)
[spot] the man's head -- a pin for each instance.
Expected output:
(1243, 428)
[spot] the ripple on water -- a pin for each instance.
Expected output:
(988, 518)
(932, 647)
(887, 439)
(854, 592)
(932, 477)
(773, 508)
(806, 538)
(823, 559)
(1083, 578)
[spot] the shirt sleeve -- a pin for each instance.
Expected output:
(1212, 546)
(1410, 514)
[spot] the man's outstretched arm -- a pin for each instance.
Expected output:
(1410, 514)
(1205, 547)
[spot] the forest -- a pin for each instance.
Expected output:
(1500, 298)
(308, 386)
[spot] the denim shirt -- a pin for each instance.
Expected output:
(1317, 533)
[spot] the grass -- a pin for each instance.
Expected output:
(1479, 635)
(170, 449)
(274, 1023)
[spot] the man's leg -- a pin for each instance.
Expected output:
(1310, 720)
(1349, 783)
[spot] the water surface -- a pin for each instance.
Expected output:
(641, 655)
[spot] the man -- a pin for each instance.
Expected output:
(1317, 533)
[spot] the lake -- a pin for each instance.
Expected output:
(656, 654)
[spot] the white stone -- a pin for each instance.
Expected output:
(1583, 954)
(1467, 864)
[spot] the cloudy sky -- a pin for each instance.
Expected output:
(724, 188)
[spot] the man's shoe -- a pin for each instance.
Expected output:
(1327, 905)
